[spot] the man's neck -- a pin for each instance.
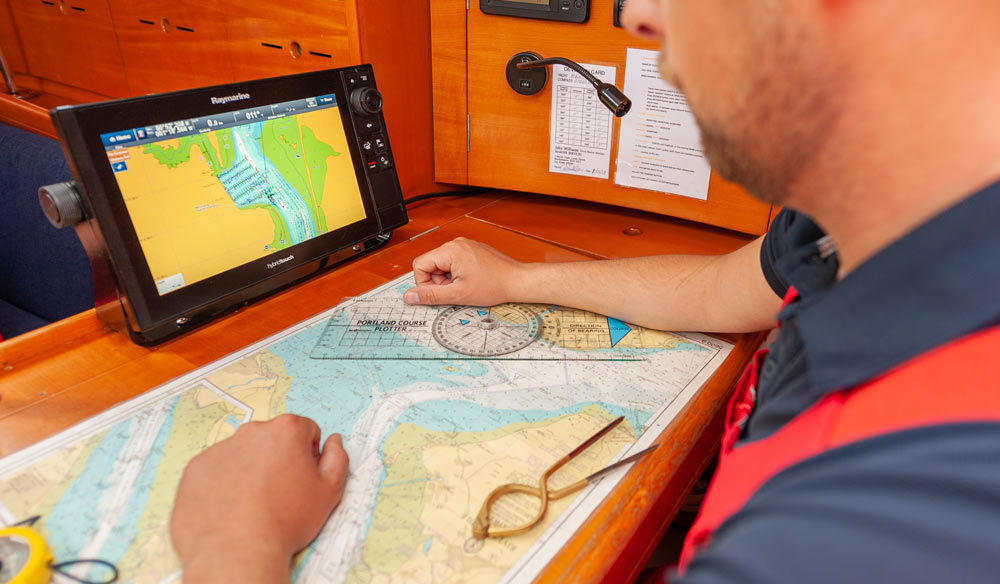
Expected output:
(920, 132)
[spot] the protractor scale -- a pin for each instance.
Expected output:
(486, 332)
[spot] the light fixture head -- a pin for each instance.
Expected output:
(614, 99)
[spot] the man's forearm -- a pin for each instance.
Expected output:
(673, 292)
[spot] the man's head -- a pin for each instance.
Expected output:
(871, 116)
(757, 79)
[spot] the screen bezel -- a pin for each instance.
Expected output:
(81, 128)
(549, 10)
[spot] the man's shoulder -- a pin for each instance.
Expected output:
(791, 238)
(897, 507)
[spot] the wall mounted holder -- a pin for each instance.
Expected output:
(526, 81)
(526, 74)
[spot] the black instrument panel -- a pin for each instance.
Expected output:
(560, 10)
(207, 199)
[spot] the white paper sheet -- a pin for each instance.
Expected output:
(659, 147)
(580, 136)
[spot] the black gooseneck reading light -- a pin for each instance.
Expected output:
(526, 74)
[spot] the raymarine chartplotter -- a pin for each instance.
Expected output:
(196, 202)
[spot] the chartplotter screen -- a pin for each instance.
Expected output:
(211, 193)
(200, 201)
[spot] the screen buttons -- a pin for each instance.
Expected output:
(377, 161)
(368, 154)
(369, 124)
(374, 151)
(351, 81)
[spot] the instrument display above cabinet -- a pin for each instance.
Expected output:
(561, 10)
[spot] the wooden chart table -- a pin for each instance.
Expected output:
(61, 374)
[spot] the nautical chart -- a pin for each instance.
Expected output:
(437, 407)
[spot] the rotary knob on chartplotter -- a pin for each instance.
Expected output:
(366, 100)
(62, 204)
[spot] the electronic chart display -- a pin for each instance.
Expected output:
(210, 194)
(203, 200)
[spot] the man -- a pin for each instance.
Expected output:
(865, 448)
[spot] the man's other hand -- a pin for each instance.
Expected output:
(248, 503)
(463, 271)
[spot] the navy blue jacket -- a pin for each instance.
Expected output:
(918, 505)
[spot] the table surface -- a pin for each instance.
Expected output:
(57, 376)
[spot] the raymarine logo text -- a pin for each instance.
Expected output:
(229, 98)
(276, 263)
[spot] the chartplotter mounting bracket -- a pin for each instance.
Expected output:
(194, 203)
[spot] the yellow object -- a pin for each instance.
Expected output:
(24, 557)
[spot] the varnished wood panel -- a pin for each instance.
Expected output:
(52, 92)
(10, 45)
(271, 39)
(449, 59)
(397, 43)
(168, 46)
(32, 113)
(72, 41)
(509, 132)
(26, 115)
(606, 232)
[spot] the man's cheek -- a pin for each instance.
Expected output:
(667, 72)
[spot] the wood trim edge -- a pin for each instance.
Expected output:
(354, 33)
(25, 115)
(450, 99)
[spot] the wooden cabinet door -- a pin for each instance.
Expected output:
(270, 39)
(507, 135)
(173, 45)
(71, 41)
(10, 47)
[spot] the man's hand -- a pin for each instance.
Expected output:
(248, 503)
(463, 271)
